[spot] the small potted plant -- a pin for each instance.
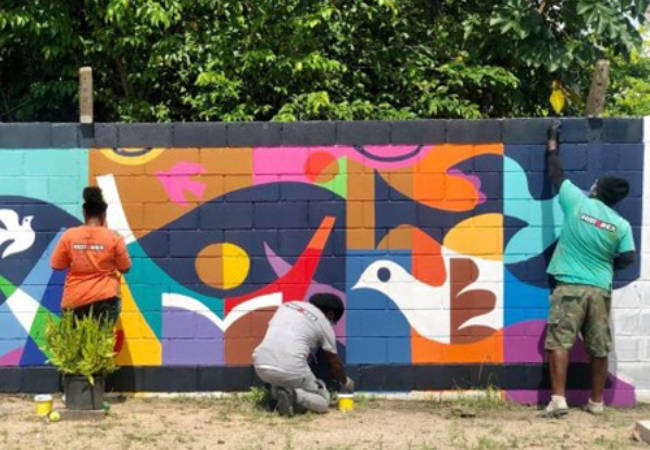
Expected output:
(82, 349)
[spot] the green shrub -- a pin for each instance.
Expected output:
(80, 347)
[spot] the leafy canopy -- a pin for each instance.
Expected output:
(161, 60)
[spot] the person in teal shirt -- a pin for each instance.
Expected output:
(595, 240)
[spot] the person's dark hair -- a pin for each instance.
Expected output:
(611, 190)
(94, 204)
(329, 302)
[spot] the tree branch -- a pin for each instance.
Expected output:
(543, 7)
(121, 69)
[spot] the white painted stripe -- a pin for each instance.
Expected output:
(24, 308)
(632, 300)
(191, 304)
(115, 215)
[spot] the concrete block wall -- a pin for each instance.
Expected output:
(436, 233)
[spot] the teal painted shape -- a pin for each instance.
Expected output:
(543, 217)
(148, 282)
(56, 176)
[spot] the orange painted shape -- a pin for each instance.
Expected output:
(428, 264)
(437, 187)
(319, 239)
(488, 350)
(399, 238)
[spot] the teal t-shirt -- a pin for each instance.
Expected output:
(592, 235)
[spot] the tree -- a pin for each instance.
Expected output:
(630, 85)
(160, 60)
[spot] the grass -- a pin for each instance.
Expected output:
(486, 443)
(365, 401)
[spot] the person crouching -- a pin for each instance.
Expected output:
(281, 360)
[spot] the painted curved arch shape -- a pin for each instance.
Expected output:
(388, 159)
(132, 157)
(236, 313)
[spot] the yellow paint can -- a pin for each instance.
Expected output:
(43, 405)
(346, 402)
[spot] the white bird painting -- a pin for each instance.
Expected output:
(19, 233)
(428, 308)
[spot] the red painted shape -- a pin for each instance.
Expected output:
(119, 341)
(294, 284)
(316, 163)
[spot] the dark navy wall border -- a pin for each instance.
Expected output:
(243, 134)
(394, 378)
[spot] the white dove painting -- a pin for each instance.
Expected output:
(428, 308)
(18, 233)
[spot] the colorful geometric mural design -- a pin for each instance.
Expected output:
(439, 251)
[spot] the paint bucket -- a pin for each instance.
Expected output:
(346, 402)
(43, 405)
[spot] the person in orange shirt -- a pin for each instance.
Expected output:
(95, 257)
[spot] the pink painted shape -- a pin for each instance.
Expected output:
(289, 162)
(12, 358)
(176, 182)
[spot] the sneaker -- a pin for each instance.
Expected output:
(286, 402)
(594, 408)
(557, 407)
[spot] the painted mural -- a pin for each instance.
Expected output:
(439, 251)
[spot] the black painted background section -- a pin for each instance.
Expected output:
(244, 134)
(398, 378)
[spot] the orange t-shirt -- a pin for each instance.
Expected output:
(94, 256)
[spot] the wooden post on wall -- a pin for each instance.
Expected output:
(86, 95)
(598, 90)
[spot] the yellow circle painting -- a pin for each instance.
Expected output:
(223, 265)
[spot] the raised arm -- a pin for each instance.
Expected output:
(552, 155)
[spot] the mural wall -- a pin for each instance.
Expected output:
(438, 247)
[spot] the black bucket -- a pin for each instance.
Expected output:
(80, 395)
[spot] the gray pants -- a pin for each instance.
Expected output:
(311, 392)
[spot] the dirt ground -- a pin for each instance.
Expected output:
(235, 423)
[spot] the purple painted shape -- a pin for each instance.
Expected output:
(177, 323)
(476, 181)
(192, 352)
(190, 338)
(524, 343)
(620, 395)
(281, 267)
(12, 358)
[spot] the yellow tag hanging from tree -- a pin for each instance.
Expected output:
(557, 98)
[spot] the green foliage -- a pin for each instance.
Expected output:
(82, 347)
(629, 93)
(162, 60)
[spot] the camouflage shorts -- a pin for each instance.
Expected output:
(580, 309)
